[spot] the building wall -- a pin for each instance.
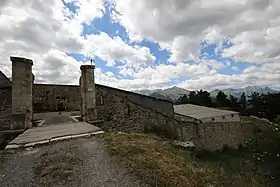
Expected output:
(46, 96)
(223, 118)
(214, 136)
(4, 81)
(184, 118)
(5, 107)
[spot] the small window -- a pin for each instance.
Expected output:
(213, 119)
(232, 115)
(223, 117)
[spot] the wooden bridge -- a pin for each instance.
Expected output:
(54, 127)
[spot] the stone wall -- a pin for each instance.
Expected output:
(184, 118)
(46, 96)
(214, 136)
(222, 118)
(5, 102)
(121, 114)
(160, 105)
(4, 81)
(5, 107)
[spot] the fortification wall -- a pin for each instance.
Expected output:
(214, 136)
(5, 107)
(223, 118)
(45, 97)
(121, 114)
(160, 105)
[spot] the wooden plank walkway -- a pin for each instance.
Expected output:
(53, 132)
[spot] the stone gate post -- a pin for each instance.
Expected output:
(22, 85)
(87, 90)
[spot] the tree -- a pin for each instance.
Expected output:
(243, 101)
(197, 98)
(255, 104)
(192, 97)
(269, 106)
(183, 99)
(204, 98)
(221, 99)
(233, 103)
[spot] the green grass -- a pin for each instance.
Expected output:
(157, 163)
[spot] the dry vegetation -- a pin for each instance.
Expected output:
(157, 163)
(54, 167)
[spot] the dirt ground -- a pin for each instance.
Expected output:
(79, 162)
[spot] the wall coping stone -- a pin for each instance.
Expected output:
(82, 67)
(21, 59)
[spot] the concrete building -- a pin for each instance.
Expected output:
(189, 112)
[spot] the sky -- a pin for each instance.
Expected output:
(146, 44)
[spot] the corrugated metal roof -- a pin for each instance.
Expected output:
(200, 112)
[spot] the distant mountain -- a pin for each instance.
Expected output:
(175, 92)
(161, 96)
(247, 90)
(171, 94)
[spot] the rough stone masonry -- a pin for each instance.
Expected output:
(22, 84)
(87, 89)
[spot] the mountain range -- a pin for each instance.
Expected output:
(173, 93)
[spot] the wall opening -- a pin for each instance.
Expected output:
(60, 103)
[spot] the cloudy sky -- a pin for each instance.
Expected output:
(146, 44)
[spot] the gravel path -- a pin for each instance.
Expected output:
(79, 162)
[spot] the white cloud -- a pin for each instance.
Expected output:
(45, 31)
(182, 24)
(266, 75)
(162, 73)
(115, 49)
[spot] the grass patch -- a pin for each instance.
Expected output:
(157, 163)
(54, 167)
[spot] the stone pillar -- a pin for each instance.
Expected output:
(22, 85)
(87, 89)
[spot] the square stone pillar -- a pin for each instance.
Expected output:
(22, 87)
(87, 90)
